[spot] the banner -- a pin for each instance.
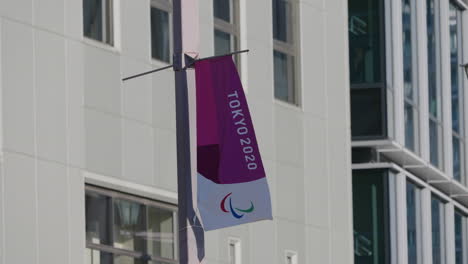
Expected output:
(231, 183)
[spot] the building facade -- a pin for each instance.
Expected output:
(409, 128)
(88, 162)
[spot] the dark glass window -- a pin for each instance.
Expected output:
(435, 120)
(407, 49)
(438, 231)
(160, 35)
(98, 211)
(284, 68)
(367, 118)
(410, 108)
(98, 20)
(367, 60)
(281, 20)
(409, 126)
(284, 52)
(370, 216)
(434, 141)
(456, 158)
(366, 53)
(222, 9)
(432, 42)
(413, 221)
(457, 92)
(455, 69)
(222, 42)
(124, 229)
(459, 235)
(226, 28)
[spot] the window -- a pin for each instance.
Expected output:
(366, 47)
(98, 20)
(458, 141)
(161, 11)
(367, 68)
(370, 217)
(409, 84)
(291, 257)
(460, 238)
(226, 26)
(121, 228)
(234, 252)
(438, 230)
(413, 222)
(435, 119)
(284, 51)
(364, 121)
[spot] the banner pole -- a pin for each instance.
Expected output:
(185, 41)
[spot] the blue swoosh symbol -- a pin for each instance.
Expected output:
(232, 210)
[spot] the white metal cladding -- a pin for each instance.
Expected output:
(68, 119)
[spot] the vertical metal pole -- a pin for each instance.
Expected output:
(182, 133)
(185, 39)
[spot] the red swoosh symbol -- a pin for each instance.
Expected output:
(222, 203)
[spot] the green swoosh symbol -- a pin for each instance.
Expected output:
(247, 210)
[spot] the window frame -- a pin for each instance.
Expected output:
(443, 226)
(464, 226)
(461, 93)
(291, 255)
(108, 23)
(385, 90)
(231, 28)
(438, 120)
(413, 103)
(418, 218)
(112, 194)
(388, 199)
(165, 6)
(290, 49)
(236, 243)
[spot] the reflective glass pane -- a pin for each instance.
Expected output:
(437, 214)
(160, 233)
(222, 42)
(283, 77)
(160, 35)
(281, 20)
(407, 50)
(409, 127)
(222, 9)
(98, 222)
(93, 256)
(366, 113)
(412, 216)
(129, 225)
(118, 259)
(432, 58)
(455, 66)
(370, 217)
(459, 238)
(366, 25)
(456, 158)
(434, 142)
(92, 19)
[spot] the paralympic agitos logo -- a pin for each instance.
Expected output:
(234, 210)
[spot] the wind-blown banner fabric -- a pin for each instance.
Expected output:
(231, 183)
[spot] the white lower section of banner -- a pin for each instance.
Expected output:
(244, 202)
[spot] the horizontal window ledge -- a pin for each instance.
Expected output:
(129, 253)
(400, 157)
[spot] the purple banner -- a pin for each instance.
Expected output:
(228, 158)
(226, 144)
